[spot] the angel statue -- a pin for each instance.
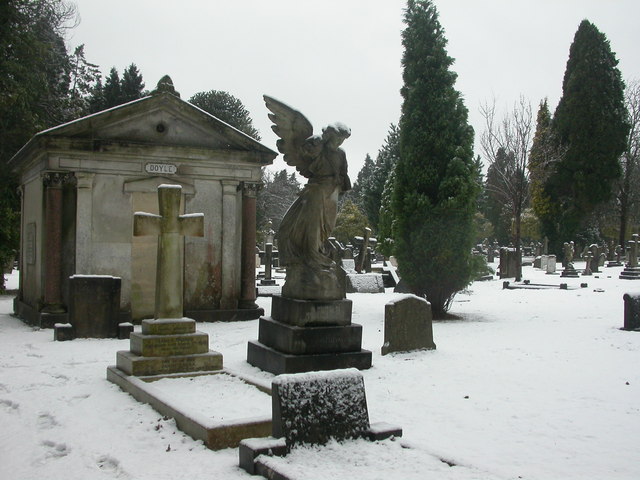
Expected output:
(311, 275)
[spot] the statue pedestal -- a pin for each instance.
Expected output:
(308, 335)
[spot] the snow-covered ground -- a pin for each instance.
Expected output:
(532, 384)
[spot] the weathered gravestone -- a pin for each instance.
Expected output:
(551, 264)
(631, 311)
(268, 262)
(312, 408)
(631, 270)
(365, 283)
(508, 263)
(407, 325)
(94, 305)
(169, 343)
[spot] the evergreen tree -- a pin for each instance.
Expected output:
(372, 190)
(278, 192)
(34, 82)
(112, 92)
(356, 193)
(131, 85)
(227, 108)
(84, 78)
(385, 218)
(350, 222)
(591, 128)
(435, 191)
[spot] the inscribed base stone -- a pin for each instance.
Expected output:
(407, 325)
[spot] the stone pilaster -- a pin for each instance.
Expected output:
(248, 260)
(53, 182)
(230, 246)
(84, 206)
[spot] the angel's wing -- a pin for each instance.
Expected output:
(294, 130)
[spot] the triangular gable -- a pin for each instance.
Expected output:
(161, 119)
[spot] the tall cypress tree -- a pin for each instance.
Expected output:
(591, 128)
(435, 191)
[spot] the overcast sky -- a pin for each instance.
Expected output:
(339, 60)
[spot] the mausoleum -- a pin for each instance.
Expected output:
(82, 182)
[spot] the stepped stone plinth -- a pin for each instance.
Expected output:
(630, 273)
(308, 335)
(168, 346)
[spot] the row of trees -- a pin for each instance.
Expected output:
(572, 175)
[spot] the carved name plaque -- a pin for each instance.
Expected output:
(164, 168)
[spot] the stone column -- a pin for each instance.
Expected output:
(52, 251)
(248, 260)
(84, 227)
(21, 260)
(230, 244)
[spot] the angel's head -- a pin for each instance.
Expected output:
(336, 133)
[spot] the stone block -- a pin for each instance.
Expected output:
(251, 448)
(168, 326)
(137, 365)
(270, 360)
(407, 325)
(313, 407)
(63, 332)
(365, 283)
(94, 305)
(631, 311)
(169, 345)
(381, 431)
(125, 329)
(310, 312)
(309, 340)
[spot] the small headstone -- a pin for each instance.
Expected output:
(551, 264)
(407, 325)
(365, 283)
(631, 311)
(349, 265)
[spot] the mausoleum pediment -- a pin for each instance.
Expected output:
(161, 119)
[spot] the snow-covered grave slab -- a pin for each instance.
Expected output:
(218, 408)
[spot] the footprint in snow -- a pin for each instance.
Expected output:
(108, 464)
(46, 421)
(55, 450)
(9, 405)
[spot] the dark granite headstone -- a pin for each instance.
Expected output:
(631, 311)
(314, 407)
(94, 305)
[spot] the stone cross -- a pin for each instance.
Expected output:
(170, 227)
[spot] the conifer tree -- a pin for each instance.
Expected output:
(435, 191)
(131, 85)
(112, 92)
(227, 108)
(591, 128)
(373, 189)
